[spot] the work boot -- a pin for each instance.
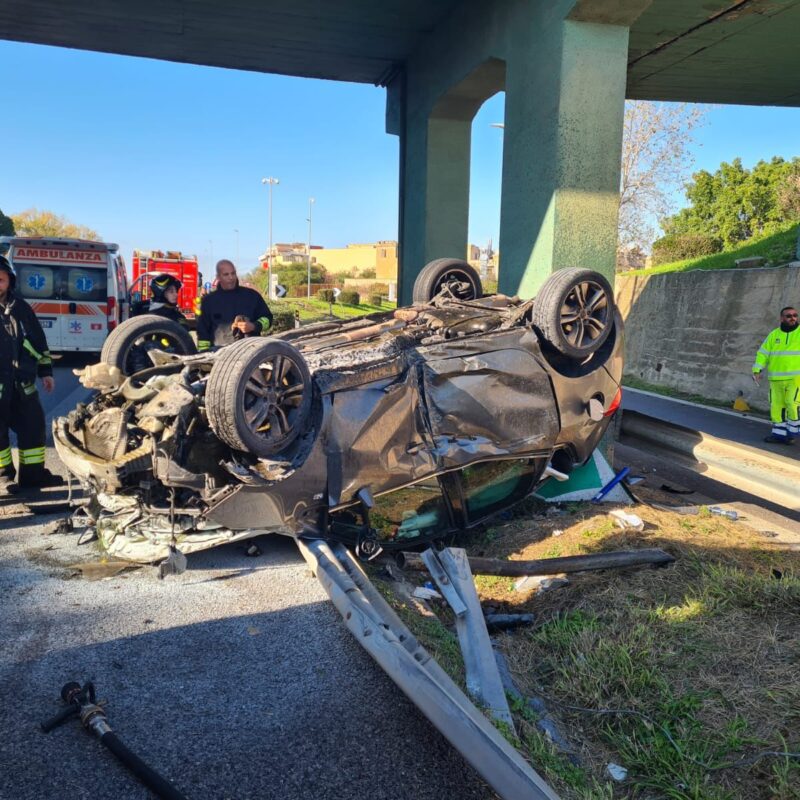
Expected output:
(7, 485)
(38, 479)
(772, 439)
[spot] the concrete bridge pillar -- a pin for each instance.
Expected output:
(562, 64)
(561, 159)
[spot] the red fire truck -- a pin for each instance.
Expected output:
(146, 265)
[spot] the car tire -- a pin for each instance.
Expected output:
(127, 345)
(574, 312)
(246, 409)
(463, 280)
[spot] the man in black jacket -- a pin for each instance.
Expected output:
(23, 356)
(231, 312)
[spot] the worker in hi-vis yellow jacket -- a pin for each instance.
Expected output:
(780, 356)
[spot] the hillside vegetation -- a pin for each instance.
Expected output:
(778, 248)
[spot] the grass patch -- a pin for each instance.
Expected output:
(314, 310)
(672, 673)
(779, 248)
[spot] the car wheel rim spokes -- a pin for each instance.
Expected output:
(272, 396)
(137, 358)
(459, 284)
(584, 314)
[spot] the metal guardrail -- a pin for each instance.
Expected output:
(773, 477)
(385, 637)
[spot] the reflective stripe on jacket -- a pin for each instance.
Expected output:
(23, 346)
(780, 355)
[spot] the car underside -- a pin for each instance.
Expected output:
(297, 432)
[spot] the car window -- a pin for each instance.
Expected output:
(418, 511)
(37, 281)
(410, 513)
(87, 285)
(494, 485)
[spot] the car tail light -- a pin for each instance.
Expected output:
(112, 313)
(615, 403)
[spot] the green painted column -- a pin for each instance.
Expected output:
(565, 100)
(435, 194)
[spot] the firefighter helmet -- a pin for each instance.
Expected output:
(160, 284)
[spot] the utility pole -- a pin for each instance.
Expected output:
(308, 248)
(270, 182)
(236, 231)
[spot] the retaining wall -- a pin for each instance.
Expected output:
(698, 331)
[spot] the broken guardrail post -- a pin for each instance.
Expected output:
(384, 636)
(553, 566)
(452, 574)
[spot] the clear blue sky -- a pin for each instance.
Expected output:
(158, 155)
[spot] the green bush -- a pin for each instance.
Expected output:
(282, 321)
(679, 246)
(326, 295)
(350, 298)
(375, 299)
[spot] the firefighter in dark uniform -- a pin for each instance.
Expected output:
(23, 357)
(230, 312)
(164, 299)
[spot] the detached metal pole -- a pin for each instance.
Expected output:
(553, 566)
(381, 633)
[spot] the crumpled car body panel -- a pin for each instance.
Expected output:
(410, 401)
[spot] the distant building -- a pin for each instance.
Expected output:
(355, 258)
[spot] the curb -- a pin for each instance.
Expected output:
(771, 476)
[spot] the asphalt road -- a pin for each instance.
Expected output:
(236, 679)
(729, 425)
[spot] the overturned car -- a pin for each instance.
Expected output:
(384, 431)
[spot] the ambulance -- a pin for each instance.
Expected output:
(77, 288)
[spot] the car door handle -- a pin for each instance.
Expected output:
(73, 308)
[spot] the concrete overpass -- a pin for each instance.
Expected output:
(566, 67)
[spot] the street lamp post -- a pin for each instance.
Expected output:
(308, 249)
(236, 231)
(270, 182)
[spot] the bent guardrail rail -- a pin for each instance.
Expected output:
(385, 637)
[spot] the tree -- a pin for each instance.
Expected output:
(6, 225)
(33, 222)
(788, 194)
(735, 203)
(297, 274)
(656, 161)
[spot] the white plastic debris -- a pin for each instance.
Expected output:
(539, 582)
(558, 532)
(423, 593)
(626, 521)
(617, 772)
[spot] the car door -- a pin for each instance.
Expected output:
(84, 297)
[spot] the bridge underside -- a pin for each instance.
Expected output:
(566, 67)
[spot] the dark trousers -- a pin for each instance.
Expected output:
(22, 412)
